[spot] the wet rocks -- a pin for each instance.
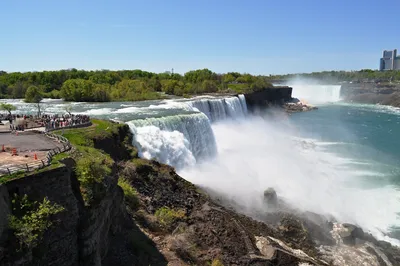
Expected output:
(348, 234)
(352, 234)
(294, 107)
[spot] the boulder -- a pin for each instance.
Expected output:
(352, 234)
(271, 198)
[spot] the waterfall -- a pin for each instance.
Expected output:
(218, 109)
(185, 139)
(243, 103)
(316, 93)
(177, 140)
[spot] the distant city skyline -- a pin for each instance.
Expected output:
(255, 36)
(389, 60)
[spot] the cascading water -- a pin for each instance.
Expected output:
(316, 94)
(182, 140)
(177, 140)
(218, 109)
(243, 103)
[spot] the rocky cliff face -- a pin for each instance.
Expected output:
(59, 245)
(79, 235)
(268, 96)
(371, 93)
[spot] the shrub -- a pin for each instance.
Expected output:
(183, 247)
(167, 216)
(31, 220)
(217, 262)
(91, 174)
(129, 192)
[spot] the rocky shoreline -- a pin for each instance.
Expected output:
(298, 106)
(371, 93)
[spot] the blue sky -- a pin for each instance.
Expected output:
(253, 36)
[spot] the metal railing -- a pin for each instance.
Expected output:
(66, 146)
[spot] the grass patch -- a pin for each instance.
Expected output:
(139, 162)
(56, 159)
(99, 129)
(92, 165)
(167, 216)
(129, 192)
(16, 175)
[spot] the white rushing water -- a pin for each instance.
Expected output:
(221, 108)
(178, 140)
(314, 93)
(185, 139)
(255, 154)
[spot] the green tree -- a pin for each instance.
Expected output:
(154, 84)
(68, 109)
(7, 107)
(209, 86)
(228, 78)
(34, 95)
(173, 87)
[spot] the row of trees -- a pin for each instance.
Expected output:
(33, 95)
(129, 85)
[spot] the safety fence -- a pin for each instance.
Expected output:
(38, 164)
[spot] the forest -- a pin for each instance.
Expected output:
(124, 85)
(137, 85)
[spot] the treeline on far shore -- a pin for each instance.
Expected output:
(364, 75)
(124, 85)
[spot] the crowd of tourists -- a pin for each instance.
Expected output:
(22, 122)
(56, 121)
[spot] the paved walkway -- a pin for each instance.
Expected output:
(27, 145)
(31, 149)
(28, 141)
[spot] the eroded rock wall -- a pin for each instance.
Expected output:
(266, 97)
(371, 93)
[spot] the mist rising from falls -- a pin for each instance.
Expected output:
(255, 154)
(314, 93)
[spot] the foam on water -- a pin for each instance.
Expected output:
(193, 131)
(127, 110)
(169, 147)
(100, 111)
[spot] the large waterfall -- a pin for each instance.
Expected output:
(316, 93)
(184, 139)
(221, 108)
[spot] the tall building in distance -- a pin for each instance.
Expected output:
(390, 60)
